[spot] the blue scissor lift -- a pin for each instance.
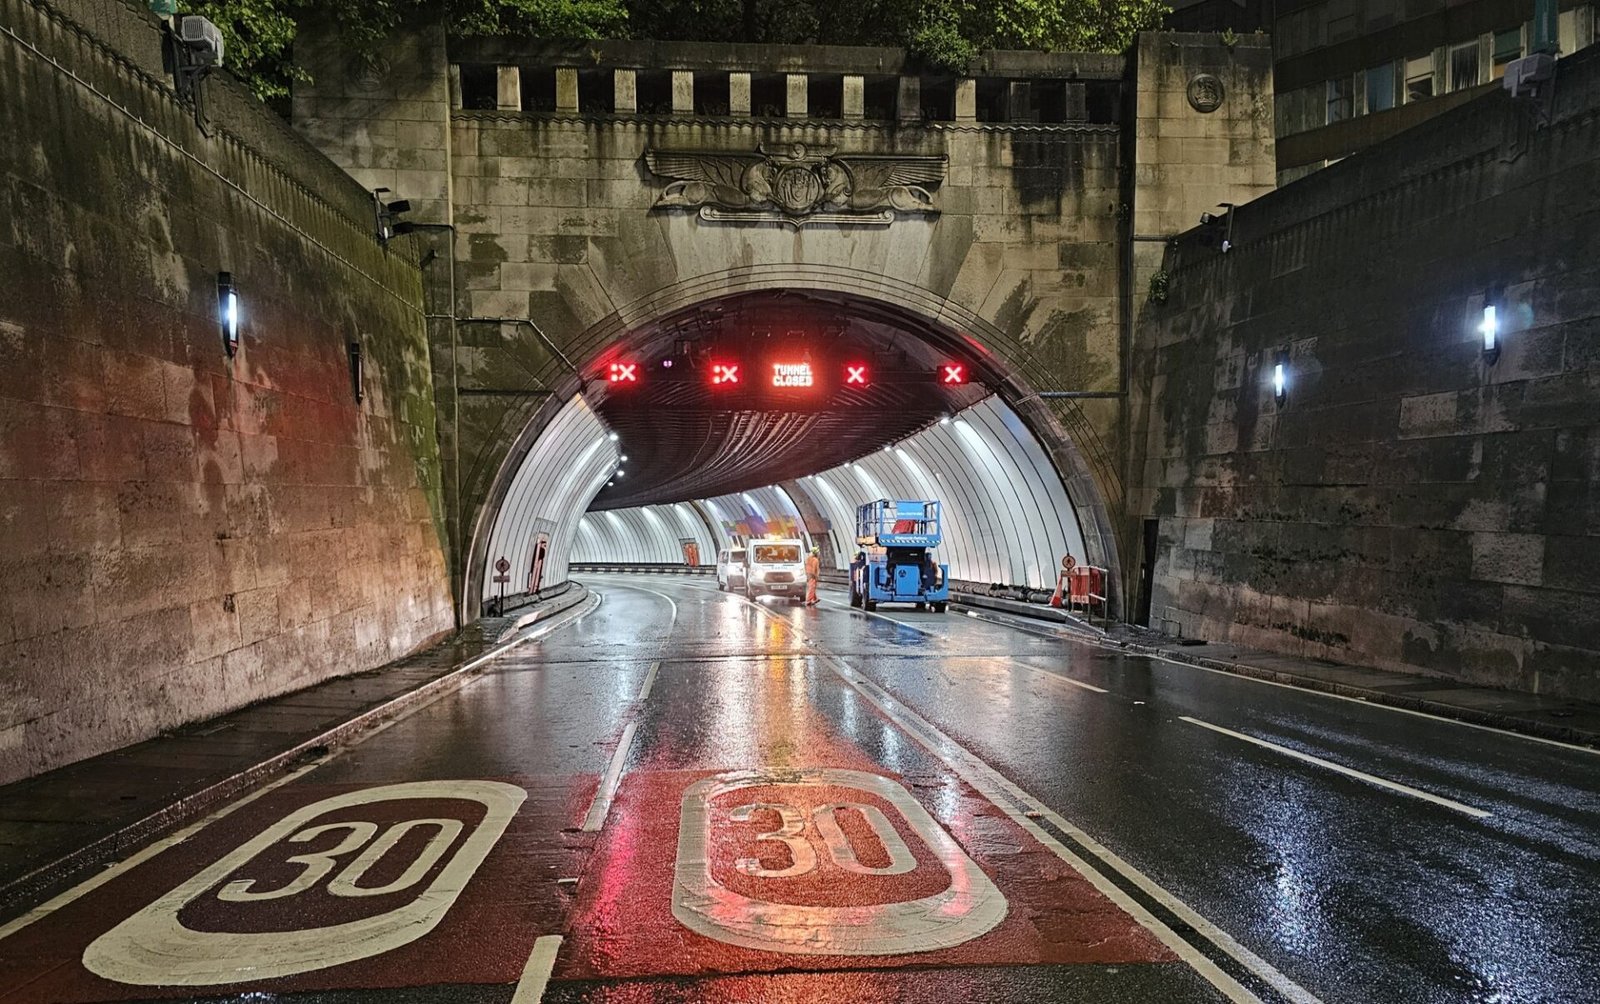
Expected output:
(898, 537)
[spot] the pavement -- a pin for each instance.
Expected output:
(57, 824)
(1540, 715)
(683, 796)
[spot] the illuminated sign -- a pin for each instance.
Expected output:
(791, 374)
(724, 373)
(953, 373)
(856, 376)
(623, 373)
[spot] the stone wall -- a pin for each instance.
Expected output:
(1410, 505)
(182, 533)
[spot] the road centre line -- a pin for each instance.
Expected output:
(536, 974)
(1342, 769)
(1018, 804)
(601, 806)
(149, 851)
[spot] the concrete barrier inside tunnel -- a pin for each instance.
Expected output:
(1007, 516)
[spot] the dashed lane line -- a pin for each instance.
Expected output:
(649, 680)
(536, 974)
(1339, 768)
(601, 806)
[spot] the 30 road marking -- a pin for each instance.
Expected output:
(1342, 769)
(1024, 809)
(154, 947)
(965, 907)
(601, 806)
(536, 974)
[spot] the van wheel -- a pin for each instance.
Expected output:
(922, 606)
(870, 604)
(938, 608)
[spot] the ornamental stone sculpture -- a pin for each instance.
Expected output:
(797, 185)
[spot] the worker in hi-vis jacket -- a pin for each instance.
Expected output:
(813, 573)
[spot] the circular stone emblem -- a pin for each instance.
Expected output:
(1205, 93)
(797, 189)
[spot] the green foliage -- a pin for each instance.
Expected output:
(1160, 286)
(943, 34)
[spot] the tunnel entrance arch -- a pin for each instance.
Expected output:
(1081, 458)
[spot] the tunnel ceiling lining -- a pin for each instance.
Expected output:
(686, 439)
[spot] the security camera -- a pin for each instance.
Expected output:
(202, 38)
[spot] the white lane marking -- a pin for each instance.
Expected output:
(1061, 679)
(649, 680)
(149, 851)
(968, 905)
(536, 974)
(1022, 808)
(1342, 769)
(601, 806)
(994, 786)
(1362, 701)
(154, 948)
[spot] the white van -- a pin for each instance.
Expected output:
(730, 568)
(775, 567)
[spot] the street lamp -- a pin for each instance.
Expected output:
(1489, 327)
(1280, 379)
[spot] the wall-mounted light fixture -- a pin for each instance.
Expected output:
(1280, 379)
(387, 215)
(357, 370)
(1489, 327)
(228, 312)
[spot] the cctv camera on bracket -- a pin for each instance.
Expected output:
(197, 50)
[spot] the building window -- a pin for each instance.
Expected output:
(1464, 66)
(1341, 99)
(1419, 78)
(1380, 88)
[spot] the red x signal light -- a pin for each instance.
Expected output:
(953, 374)
(622, 373)
(723, 374)
(856, 376)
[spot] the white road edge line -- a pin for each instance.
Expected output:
(1342, 769)
(536, 974)
(149, 851)
(994, 786)
(649, 680)
(601, 806)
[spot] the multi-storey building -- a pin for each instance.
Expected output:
(1348, 73)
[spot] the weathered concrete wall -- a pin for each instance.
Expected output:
(1030, 254)
(1410, 506)
(181, 533)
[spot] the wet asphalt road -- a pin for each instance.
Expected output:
(707, 800)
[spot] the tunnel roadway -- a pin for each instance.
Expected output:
(688, 796)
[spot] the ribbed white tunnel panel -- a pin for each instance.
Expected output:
(1007, 517)
(652, 534)
(554, 485)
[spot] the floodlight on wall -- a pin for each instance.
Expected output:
(387, 215)
(1280, 379)
(1489, 327)
(228, 312)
